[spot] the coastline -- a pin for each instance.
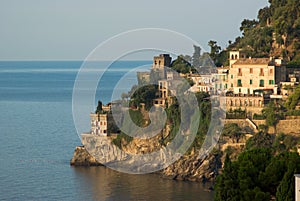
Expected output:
(187, 168)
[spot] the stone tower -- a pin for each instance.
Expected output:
(161, 61)
(159, 64)
(234, 56)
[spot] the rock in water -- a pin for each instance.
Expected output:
(82, 158)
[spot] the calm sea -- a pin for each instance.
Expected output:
(38, 138)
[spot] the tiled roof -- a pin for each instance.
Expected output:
(252, 61)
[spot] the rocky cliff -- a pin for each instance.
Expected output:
(81, 157)
(189, 167)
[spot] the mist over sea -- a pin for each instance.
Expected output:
(38, 138)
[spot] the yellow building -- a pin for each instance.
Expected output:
(247, 75)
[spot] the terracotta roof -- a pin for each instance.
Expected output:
(252, 61)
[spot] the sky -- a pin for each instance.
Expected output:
(71, 29)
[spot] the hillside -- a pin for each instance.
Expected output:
(275, 33)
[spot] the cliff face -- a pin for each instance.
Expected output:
(188, 167)
(193, 168)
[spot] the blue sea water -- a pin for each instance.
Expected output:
(38, 138)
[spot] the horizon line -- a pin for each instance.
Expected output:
(17, 60)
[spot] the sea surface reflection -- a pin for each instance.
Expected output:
(101, 183)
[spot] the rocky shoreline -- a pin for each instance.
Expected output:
(81, 157)
(187, 168)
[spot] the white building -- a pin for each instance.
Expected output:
(98, 124)
(297, 187)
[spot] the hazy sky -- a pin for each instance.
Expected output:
(71, 29)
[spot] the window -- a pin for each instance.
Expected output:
(261, 72)
(271, 82)
(231, 76)
(251, 81)
(240, 90)
(240, 72)
(231, 85)
(239, 83)
(251, 70)
(261, 83)
(226, 86)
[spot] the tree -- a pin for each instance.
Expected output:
(264, 15)
(259, 140)
(247, 24)
(181, 65)
(239, 180)
(226, 187)
(145, 94)
(293, 99)
(233, 131)
(214, 50)
(99, 107)
(286, 188)
(271, 112)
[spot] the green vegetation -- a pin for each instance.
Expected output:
(181, 65)
(236, 114)
(293, 99)
(122, 138)
(174, 119)
(275, 33)
(258, 175)
(214, 52)
(233, 131)
(99, 108)
(205, 110)
(284, 142)
(260, 140)
(144, 94)
(272, 113)
(264, 170)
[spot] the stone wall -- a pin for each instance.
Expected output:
(287, 126)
